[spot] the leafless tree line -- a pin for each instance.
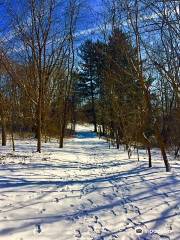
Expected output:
(153, 28)
(37, 65)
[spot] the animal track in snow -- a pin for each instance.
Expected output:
(78, 234)
(38, 228)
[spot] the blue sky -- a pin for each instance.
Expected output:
(89, 18)
(89, 12)
(86, 21)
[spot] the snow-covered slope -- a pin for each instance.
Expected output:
(86, 191)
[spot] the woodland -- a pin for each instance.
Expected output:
(121, 75)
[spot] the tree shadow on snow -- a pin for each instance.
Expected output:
(137, 183)
(121, 179)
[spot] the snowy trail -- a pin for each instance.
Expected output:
(86, 191)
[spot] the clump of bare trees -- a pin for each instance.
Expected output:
(127, 83)
(39, 64)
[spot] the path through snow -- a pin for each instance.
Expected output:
(86, 191)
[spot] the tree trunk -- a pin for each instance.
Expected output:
(4, 138)
(103, 130)
(39, 123)
(137, 150)
(93, 108)
(100, 132)
(129, 152)
(117, 140)
(162, 148)
(61, 141)
(149, 155)
(12, 138)
(166, 162)
(176, 152)
(95, 124)
(63, 127)
(12, 132)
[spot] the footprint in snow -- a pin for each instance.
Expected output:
(38, 228)
(114, 194)
(91, 227)
(107, 230)
(43, 210)
(96, 219)
(78, 234)
(90, 201)
(115, 236)
(100, 224)
(113, 212)
(70, 219)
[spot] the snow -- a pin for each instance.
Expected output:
(86, 191)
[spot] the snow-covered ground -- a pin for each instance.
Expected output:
(86, 191)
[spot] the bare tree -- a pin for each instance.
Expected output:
(42, 38)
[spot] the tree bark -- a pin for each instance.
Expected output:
(162, 148)
(93, 108)
(4, 135)
(137, 150)
(63, 126)
(61, 142)
(12, 138)
(176, 152)
(39, 123)
(166, 162)
(149, 156)
(117, 140)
